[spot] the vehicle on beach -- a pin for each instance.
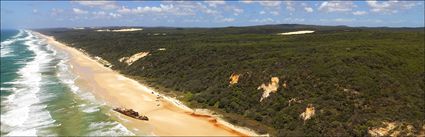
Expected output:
(131, 113)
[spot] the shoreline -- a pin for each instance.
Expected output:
(168, 116)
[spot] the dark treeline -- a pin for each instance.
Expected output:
(356, 78)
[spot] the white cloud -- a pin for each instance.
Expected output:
(140, 10)
(264, 3)
(101, 4)
(192, 20)
(374, 20)
(289, 6)
(337, 6)
(359, 12)
(204, 9)
(274, 13)
(292, 20)
(246, 1)
(227, 20)
(55, 11)
(378, 7)
(272, 7)
(266, 20)
(99, 13)
(338, 20)
(344, 20)
(237, 11)
(270, 3)
(114, 15)
(392, 6)
(192, 8)
(210, 11)
(179, 8)
(34, 11)
(308, 9)
(79, 11)
(125, 10)
(269, 11)
(215, 3)
(104, 15)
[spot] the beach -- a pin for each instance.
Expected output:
(167, 116)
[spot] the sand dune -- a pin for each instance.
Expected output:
(296, 32)
(119, 30)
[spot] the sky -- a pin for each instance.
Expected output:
(49, 14)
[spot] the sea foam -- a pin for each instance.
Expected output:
(5, 49)
(90, 103)
(108, 129)
(25, 114)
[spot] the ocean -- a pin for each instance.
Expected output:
(38, 94)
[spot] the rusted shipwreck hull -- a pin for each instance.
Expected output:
(131, 113)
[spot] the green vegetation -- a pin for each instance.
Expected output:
(356, 78)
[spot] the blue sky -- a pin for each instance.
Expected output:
(42, 14)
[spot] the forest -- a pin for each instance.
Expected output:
(355, 78)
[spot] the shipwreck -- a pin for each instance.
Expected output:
(131, 113)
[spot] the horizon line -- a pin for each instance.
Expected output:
(220, 26)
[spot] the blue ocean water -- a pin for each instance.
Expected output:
(38, 94)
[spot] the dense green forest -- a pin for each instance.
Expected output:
(356, 78)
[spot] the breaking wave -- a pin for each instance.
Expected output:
(30, 109)
(25, 114)
(5, 49)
